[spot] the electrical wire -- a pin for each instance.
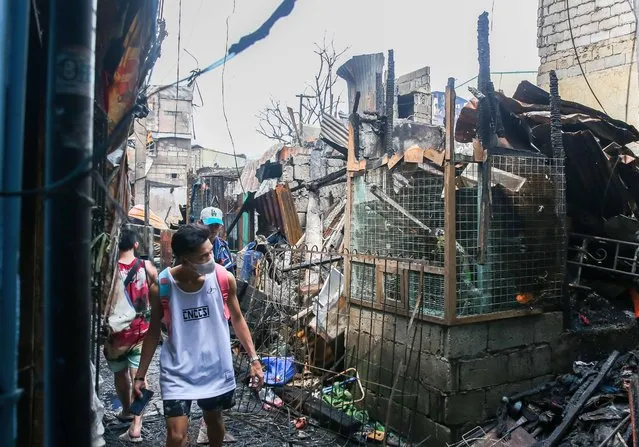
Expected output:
(574, 46)
(83, 169)
(226, 118)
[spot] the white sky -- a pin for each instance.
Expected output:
(440, 34)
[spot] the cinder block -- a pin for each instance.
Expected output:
(528, 363)
(302, 172)
(510, 333)
(620, 8)
(483, 372)
(585, 8)
(425, 431)
(548, 327)
(600, 36)
(436, 372)
(555, 8)
(615, 60)
(465, 408)
(432, 338)
(622, 30)
(465, 340)
(627, 17)
(609, 23)
(596, 65)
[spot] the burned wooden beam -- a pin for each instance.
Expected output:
(573, 410)
(324, 181)
(381, 195)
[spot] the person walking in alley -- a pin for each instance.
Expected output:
(213, 219)
(122, 349)
(195, 361)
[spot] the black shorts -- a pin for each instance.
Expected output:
(176, 408)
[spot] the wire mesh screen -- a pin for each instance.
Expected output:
(525, 249)
(402, 214)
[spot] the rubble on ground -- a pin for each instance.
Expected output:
(596, 404)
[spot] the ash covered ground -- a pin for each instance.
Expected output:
(249, 424)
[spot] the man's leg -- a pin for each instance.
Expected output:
(116, 358)
(123, 389)
(177, 414)
(135, 430)
(212, 411)
(215, 426)
(133, 358)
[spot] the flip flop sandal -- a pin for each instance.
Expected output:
(126, 436)
(203, 438)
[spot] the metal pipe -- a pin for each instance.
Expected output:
(67, 225)
(12, 165)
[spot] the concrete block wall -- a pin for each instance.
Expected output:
(453, 377)
(603, 32)
(297, 170)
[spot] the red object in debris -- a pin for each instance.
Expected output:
(584, 320)
(635, 300)
(300, 423)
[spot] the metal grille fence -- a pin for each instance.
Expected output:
(344, 358)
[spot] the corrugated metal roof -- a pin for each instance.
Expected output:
(334, 131)
(278, 208)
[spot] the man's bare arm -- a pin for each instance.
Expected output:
(152, 337)
(151, 272)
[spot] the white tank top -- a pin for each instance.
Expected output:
(196, 360)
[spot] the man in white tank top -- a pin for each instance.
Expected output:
(195, 361)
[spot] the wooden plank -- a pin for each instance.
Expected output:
(435, 156)
(392, 161)
(450, 205)
(347, 234)
(510, 181)
(496, 316)
(385, 198)
(414, 154)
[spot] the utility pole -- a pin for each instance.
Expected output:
(67, 223)
(302, 97)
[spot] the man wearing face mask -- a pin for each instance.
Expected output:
(195, 361)
(213, 219)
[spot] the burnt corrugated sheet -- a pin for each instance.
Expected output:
(333, 131)
(360, 74)
(278, 208)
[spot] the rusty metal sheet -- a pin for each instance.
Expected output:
(278, 208)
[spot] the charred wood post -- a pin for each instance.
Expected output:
(486, 134)
(390, 104)
(67, 291)
(556, 139)
(450, 205)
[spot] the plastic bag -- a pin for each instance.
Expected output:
(279, 370)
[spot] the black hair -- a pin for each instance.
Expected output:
(128, 238)
(188, 239)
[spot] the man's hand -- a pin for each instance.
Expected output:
(138, 386)
(256, 375)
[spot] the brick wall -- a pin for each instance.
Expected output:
(603, 32)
